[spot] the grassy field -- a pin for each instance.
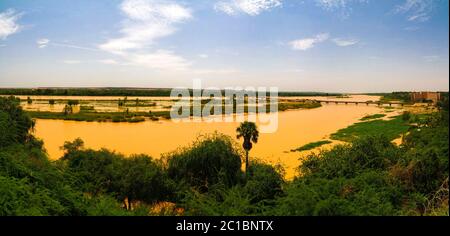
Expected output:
(101, 116)
(89, 114)
(372, 117)
(392, 129)
(311, 146)
(298, 105)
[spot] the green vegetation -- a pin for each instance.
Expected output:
(249, 132)
(88, 113)
(343, 96)
(283, 106)
(392, 129)
(210, 160)
(311, 146)
(73, 102)
(90, 116)
(371, 117)
(367, 176)
(153, 92)
(394, 96)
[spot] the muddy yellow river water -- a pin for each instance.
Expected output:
(295, 128)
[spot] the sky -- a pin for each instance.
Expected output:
(295, 45)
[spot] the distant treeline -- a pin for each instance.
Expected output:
(157, 92)
(394, 96)
(402, 96)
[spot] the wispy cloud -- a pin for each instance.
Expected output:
(297, 70)
(415, 10)
(8, 23)
(250, 7)
(308, 43)
(71, 62)
(66, 45)
(341, 42)
(108, 62)
(147, 21)
(42, 43)
(160, 60)
(204, 56)
(343, 7)
(216, 71)
(432, 58)
(411, 28)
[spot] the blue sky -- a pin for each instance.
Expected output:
(310, 45)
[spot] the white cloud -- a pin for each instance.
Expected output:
(160, 60)
(416, 10)
(345, 42)
(108, 61)
(432, 58)
(307, 43)
(295, 70)
(71, 62)
(8, 23)
(2, 45)
(250, 7)
(73, 46)
(204, 56)
(42, 43)
(216, 71)
(342, 6)
(147, 21)
(411, 28)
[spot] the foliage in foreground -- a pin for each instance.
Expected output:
(367, 176)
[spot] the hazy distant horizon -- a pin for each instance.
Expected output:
(343, 46)
(285, 91)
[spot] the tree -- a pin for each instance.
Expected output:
(140, 178)
(68, 110)
(210, 160)
(73, 102)
(249, 132)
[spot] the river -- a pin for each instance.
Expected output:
(295, 128)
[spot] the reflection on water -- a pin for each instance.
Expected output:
(295, 128)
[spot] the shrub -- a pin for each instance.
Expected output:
(210, 160)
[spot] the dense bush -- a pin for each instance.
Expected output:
(253, 196)
(371, 176)
(209, 160)
(135, 178)
(14, 123)
(264, 182)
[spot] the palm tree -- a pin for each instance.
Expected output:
(249, 132)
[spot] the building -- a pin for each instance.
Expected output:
(425, 97)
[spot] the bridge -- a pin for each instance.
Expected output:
(379, 103)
